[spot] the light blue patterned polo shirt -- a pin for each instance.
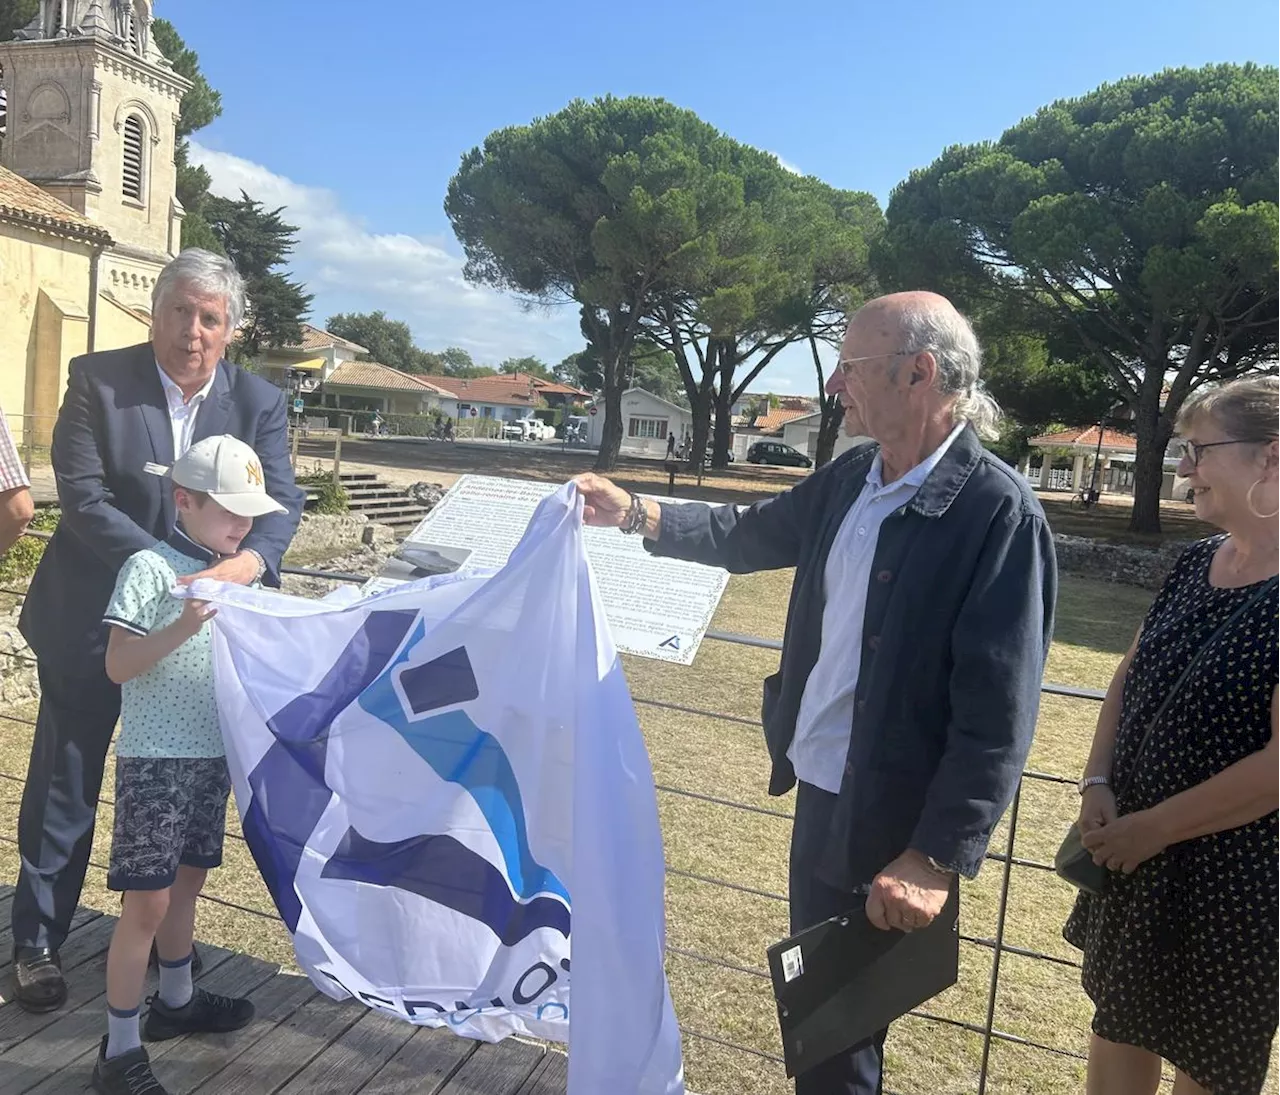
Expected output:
(168, 711)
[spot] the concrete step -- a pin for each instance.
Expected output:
(377, 500)
(371, 494)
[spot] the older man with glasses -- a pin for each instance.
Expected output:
(919, 622)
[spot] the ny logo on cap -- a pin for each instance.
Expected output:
(254, 471)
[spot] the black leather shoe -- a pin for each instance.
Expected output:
(197, 963)
(41, 986)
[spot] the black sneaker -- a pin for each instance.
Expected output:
(128, 1074)
(204, 1013)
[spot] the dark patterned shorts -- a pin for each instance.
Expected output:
(169, 811)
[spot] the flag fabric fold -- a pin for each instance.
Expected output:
(447, 793)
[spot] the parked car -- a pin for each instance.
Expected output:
(528, 429)
(775, 452)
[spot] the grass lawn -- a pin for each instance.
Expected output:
(1109, 520)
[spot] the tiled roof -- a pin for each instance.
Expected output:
(499, 390)
(26, 203)
(371, 374)
(777, 418)
(317, 338)
(552, 386)
(1087, 437)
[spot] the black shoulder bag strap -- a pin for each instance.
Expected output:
(1261, 595)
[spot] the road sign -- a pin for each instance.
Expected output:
(474, 412)
(297, 406)
(593, 409)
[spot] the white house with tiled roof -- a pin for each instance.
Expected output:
(1066, 459)
(369, 385)
(304, 366)
(647, 421)
(507, 397)
(801, 433)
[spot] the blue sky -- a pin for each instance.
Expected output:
(355, 115)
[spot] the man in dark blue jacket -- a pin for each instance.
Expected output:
(919, 623)
(124, 409)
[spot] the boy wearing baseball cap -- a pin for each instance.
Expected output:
(171, 772)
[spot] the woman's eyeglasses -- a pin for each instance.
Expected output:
(1193, 452)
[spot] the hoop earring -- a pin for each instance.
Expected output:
(1248, 501)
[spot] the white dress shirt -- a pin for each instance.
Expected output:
(825, 721)
(182, 411)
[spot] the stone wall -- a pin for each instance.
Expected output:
(321, 534)
(1123, 564)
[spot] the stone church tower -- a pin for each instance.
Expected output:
(92, 110)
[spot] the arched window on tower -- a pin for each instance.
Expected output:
(133, 148)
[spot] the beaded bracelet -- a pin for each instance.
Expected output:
(637, 516)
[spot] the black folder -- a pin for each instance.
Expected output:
(840, 981)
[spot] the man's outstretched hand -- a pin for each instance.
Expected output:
(240, 569)
(605, 504)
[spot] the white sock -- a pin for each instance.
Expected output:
(122, 1032)
(175, 982)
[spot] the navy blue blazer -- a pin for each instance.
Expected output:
(114, 419)
(958, 620)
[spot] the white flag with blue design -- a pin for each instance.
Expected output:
(447, 793)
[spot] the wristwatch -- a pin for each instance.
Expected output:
(1093, 781)
(262, 565)
(937, 867)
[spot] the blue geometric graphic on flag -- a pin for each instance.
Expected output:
(290, 793)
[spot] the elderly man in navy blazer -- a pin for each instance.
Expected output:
(919, 623)
(124, 409)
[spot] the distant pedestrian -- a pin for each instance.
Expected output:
(671, 445)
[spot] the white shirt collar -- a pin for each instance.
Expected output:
(917, 475)
(173, 393)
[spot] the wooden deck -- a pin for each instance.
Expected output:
(301, 1043)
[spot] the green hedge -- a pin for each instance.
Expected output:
(19, 562)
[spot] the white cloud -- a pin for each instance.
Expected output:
(786, 165)
(419, 279)
(416, 279)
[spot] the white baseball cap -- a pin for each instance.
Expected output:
(228, 471)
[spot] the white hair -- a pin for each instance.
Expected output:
(207, 272)
(947, 335)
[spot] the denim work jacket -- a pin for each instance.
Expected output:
(958, 620)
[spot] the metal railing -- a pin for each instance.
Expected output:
(997, 944)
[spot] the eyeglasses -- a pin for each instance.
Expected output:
(844, 363)
(1189, 450)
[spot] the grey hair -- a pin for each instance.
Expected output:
(207, 272)
(947, 335)
(1246, 409)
